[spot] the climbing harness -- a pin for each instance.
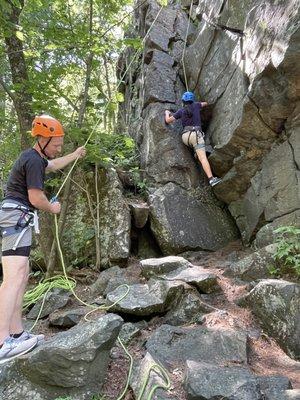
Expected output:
(27, 220)
(199, 135)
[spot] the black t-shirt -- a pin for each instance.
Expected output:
(28, 172)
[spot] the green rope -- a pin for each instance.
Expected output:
(165, 386)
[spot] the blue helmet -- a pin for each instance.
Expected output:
(188, 96)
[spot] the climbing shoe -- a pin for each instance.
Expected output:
(214, 181)
(12, 349)
(27, 335)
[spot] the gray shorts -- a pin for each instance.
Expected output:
(9, 219)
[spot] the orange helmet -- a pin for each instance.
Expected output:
(46, 126)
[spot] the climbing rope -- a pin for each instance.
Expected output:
(184, 48)
(165, 386)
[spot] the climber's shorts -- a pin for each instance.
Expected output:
(193, 138)
(9, 219)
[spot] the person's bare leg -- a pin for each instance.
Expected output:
(16, 324)
(14, 272)
(204, 162)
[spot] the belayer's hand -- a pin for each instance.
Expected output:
(80, 152)
(55, 207)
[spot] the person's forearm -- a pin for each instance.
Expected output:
(41, 202)
(61, 162)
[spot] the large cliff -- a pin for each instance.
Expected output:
(242, 58)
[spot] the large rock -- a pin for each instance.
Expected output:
(148, 299)
(182, 220)
(68, 318)
(114, 220)
(196, 276)
(189, 309)
(72, 363)
(286, 395)
(147, 370)
(210, 382)
(256, 266)
(172, 345)
(274, 191)
(53, 301)
(158, 266)
(140, 213)
(267, 235)
(276, 303)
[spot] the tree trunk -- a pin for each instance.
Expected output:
(22, 99)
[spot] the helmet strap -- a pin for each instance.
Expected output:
(43, 148)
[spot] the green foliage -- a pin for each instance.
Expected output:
(112, 149)
(288, 249)
(63, 398)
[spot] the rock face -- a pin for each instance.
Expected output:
(181, 220)
(115, 220)
(249, 73)
(73, 363)
(277, 305)
(184, 213)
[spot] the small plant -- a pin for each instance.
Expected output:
(273, 270)
(288, 248)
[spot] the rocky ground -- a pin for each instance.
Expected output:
(186, 313)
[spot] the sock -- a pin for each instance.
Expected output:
(16, 335)
(210, 178)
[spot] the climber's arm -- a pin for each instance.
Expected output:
(204, 104)
(169, 117)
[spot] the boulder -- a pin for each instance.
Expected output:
(144, 300)
(209, 382)
(255, 266)
(184, 221)
(158, 266)
(72, 363)
(267, 235)
(285, 395)
(172, 345)
(68, 318)
(140, 213)
(130, 330)
(147, 370)
(189, 310)
(99, 287)
(54, 300)
(276, 303)
(195, 276)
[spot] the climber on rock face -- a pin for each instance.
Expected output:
(192, 135)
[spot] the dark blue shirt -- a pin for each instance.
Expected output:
(194, 120)
(28, 172)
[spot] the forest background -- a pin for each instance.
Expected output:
(60, 57)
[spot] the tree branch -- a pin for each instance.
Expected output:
(6, 89)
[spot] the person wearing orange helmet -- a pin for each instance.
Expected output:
(23, 196)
